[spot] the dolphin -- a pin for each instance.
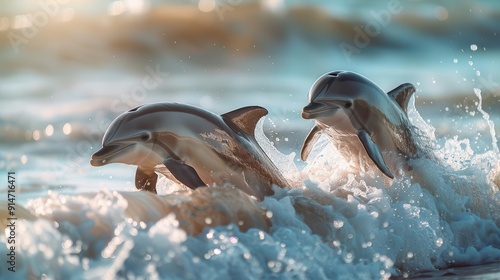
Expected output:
(191, 146)
(360, 118)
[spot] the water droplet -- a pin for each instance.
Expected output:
(67, 244)
(233, 239)
(455, 60)
(271, 264)
(338, 224)
(473, 47)
(269, 214)
(208, 220)
(261, 235)
(439, 242)
(349, 257)
(471, 63)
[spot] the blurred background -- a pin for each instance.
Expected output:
(69, 67)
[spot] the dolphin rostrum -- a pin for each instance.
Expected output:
(191, 146)
(360, 119)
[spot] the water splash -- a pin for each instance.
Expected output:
(331, 223)
(486, 117)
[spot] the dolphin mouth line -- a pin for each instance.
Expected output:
(311, 113)
(106, 153)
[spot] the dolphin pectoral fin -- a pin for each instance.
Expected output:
(145, 179)
(184, 173)
(245, 118)
(374, 153)
(402, 95)
(311, 138)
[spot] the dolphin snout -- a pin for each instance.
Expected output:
(312, 109)
(306, 115)
(95, 162)
(103, 156)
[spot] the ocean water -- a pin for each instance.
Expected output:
(61, 89)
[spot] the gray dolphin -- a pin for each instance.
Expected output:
(358, 116)
(192, 146)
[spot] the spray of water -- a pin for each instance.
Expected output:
(486, 117)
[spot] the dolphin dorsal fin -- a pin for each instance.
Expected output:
(402, 95)
(246, 118)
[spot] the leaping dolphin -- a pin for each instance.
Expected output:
(191, 146)
(360, 118)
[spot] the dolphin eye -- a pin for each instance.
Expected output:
(348, 105)
(145, 137)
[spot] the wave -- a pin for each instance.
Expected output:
(329, 224)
